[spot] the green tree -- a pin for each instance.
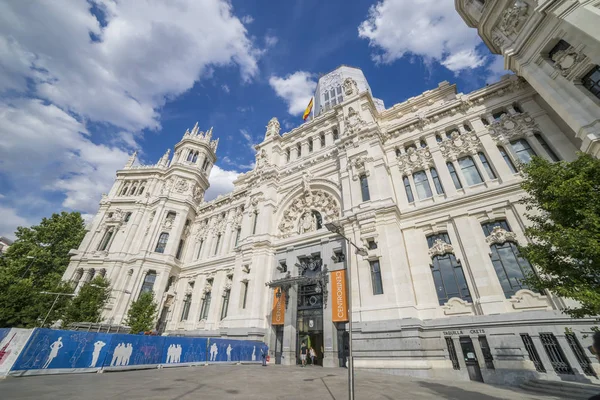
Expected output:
(35, 263)
(142, 313)
(564, 206)
(88, 305)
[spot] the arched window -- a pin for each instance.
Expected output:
(470, 171)
(410, 146)
(398, 152)
(485, 121)
(187, 302)
(510, 266)
(190, 155)
(422, 143)
(336, 135)
(127, 217)
(422, 185)
(180, 249)
(125, 190)
(310, 145)
(448, 274)
(408, 189)
(217, 244)
(438, 138)
(200, 249)
(141, 190)
(105, 242)
(205, 306)
(318, 218)
(133, 190)
(467, 127)
(225, 304)
(287, 155)
(195, 158)
(523, 150)
(364, 188)
(454, 175)
(547, 148)
(149, 280)
(162, 242)
(436, 181)
(486, 165)
(506, 157)
(255, 214)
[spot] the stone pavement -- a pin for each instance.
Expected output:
(247, 382)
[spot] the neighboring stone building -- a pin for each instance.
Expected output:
(5, 243)
(429, 187)
(555, 46)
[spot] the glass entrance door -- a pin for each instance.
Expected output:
(310, 322)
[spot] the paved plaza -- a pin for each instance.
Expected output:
(247, 382)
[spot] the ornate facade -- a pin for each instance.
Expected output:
(428, 187)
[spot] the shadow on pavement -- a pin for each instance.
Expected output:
(455, 393)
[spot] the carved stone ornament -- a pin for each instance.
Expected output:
(358, 166)
(166, 187)
(440, 248)
(262, 160)
(458, 146)
(567, 60)
(308, 222)
(415, 160)
(169, 220)
(513, 18)
(149, 223)
(353, 122)
(500, 236)
(116, 217)
(273, 128)
(207, 287)
(198, 194)
(181, 186)
(202, 230)
(318, 200)
(227, 285)
(457, 306)
(509, 127)
(525, 299)
(350, 87)
(309, 264)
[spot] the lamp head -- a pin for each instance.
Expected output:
(333, 227)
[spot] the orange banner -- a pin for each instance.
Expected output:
(278, 313)
(339, 309)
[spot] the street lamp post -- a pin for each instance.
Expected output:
(29, 266)
(54, 303)
(337, 229)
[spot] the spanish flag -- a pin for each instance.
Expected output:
(308, 109)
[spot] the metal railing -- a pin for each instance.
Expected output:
(555, 354)
(583, 360)
(532, 352)
(452, 353)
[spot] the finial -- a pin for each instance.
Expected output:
(131, 160)
(164, 160)
(195, 130)
(273, 128)
(209, 133)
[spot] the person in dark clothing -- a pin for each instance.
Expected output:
(263, 354)
(303, 353)
(595, 349)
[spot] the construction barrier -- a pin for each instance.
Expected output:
(12, 341)
(48, 351)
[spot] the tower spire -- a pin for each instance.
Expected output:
(131, 160)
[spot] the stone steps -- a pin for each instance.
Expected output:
(562, 389)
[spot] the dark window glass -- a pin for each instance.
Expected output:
(488, 227)
(467, 127)
(376, 277)
(205, 306)
(245, 296)
(506, 157)
(254, 222)
(336, 135)
(470, 171)
(487, 166)
(310, 145)
(422, 144)
(299, 150)
(322, 140)
(162, 242)
(592, 81)
(485, 121)
(217, 245)
(408, 189)
(510, 267)
(238, 232)
(438, 138)
(372, 244)
(498, 115)
(200, 248)
(187, 302)
(561, 45)
(436, 181)
(106, 239)
(287, 155)
(398, 152)
(179, 249)
(523, 151)
(148, 284)
(422, 185)
(449, 279)
(225, 305)
(431, 239)
(547, 148)
(364, 188)
(454, 175)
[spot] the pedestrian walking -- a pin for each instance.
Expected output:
(312, 354)
(263, 354)
(303, 352)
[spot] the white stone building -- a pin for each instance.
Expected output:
(428, 186)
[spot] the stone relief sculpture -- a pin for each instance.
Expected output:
(415, 160)
(460, 145)
(273, 128)
(500, 236)
(299, 217)
(509, 127)
(513, 18)
(440, 248)
(350, 87)
(308, 222)
(565, 61)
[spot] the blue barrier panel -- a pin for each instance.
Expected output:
(3, 333)
(178, 350)
(225, 350)
(131, 350)
(58, 351)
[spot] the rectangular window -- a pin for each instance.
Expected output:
(470, 171)
(205, 306)
(310, 145)
(506, 157)
(179, 249)
(488, 227)
(561, 45)
(326, 96)
(148, 284)
(592, 81)
(523, 150)
(238, 232)
(225, 304)
(532, 352)
(408, 189)
(245, 294)
(547, 148)
(287, 155)
(254, 222)
(376, 277)
(217, 245)
(106, 240)
(299, 150)
(200, 249)
(364, 188)
(487, 353)
(582, 358)
(422, 185)
(372, 244)
(487, 166)
(436, 181)
(555, 354)
(454, 175)
(452, 353)
(187, 301)
(322, 140)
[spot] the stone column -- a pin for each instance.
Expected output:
(420, 268)
(289, 329)
(441, 168)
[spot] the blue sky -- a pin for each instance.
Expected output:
(84, 83)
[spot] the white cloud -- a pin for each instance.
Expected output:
(496, 69)
(221, 182)
(225, 88)
(296, 89)
(9, 221)
(145, 55)
(248, 138)
(247, 19)
(271, 40)
(431, 29)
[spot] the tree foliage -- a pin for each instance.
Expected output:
(564, 206)
(35, 263)
(142, 313)
(88, 305)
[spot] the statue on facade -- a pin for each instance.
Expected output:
(308, 223)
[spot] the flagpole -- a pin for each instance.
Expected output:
(313, 107)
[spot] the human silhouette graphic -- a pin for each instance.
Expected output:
(214, 350)
(127, 351)
(228, 352)
(170, 354)
(254, 353)
(97, 349)
(54, 348)
(178, 353)
(116, 358)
